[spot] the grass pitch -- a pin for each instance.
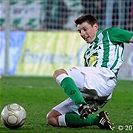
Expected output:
(39, 94)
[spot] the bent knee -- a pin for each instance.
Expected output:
(52, 118)
(52, 121)
(59, 72)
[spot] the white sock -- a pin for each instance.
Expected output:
(61, 120)
(61, 77)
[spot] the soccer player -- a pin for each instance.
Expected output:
(90, 87)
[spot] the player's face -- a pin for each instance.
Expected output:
(87, 32)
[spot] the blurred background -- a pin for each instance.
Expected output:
(39, 36)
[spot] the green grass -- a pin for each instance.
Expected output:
(38, 95)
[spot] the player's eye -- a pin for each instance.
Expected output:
(85, 29)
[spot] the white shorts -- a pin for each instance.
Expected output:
(102, 80)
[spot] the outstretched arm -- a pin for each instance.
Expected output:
(131, 40)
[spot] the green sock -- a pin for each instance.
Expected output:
(72, 91)
(74, 120)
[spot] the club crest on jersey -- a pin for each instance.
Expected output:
(92, 60)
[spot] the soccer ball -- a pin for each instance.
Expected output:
(13, 116)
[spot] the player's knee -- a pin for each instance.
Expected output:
(58, 72)
(51, 120)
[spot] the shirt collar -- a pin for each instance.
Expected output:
(96, 39)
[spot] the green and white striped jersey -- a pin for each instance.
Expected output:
(107, 49)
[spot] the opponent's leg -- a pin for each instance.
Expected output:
(69, 86)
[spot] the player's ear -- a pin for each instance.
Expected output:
(95, 26)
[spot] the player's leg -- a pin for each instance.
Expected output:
(66, 114)
(59, 116)
(69, 86)
(101, 80)
(72, 119)
(71, 80)
(101, 120)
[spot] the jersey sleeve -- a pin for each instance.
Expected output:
(118, 35)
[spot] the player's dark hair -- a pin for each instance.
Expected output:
(86, 18)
